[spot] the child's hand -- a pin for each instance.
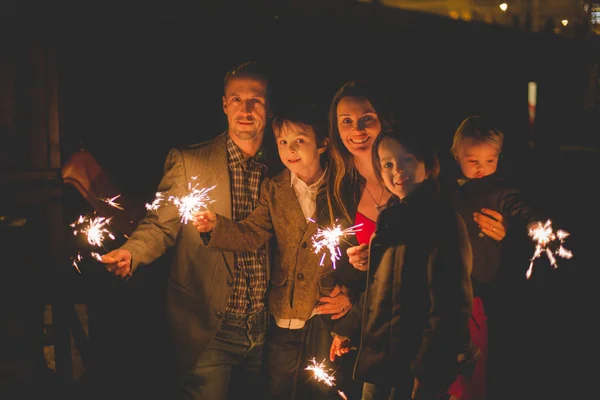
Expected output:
(359, 256)
(339, 347)
(491, 223)
(205, 221)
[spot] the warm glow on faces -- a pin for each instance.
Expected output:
(358, 124)
(299, 151)
(477, 159)
(245, 103)
(400, 170)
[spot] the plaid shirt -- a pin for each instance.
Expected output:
(250, 281)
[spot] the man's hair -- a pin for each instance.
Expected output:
(248, 69)
(480, 129)
(253, 70)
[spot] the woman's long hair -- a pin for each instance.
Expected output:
(342, 172)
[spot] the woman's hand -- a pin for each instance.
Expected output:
(359, 256)
(491, 223)
(337, 303)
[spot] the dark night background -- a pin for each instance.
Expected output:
(138, 80)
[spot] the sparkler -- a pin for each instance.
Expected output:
(544, 236)
(321, 375)
(156, 203)
(329, 238)
(111, 201)
(95, 230)
(189, 204)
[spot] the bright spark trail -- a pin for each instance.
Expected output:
(329, 238)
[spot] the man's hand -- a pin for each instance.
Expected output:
(491, 223)
(205, 221)
(337, 303)
(358, 256)
(118, 262)
(339, 347)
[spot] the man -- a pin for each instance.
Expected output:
(215, 299)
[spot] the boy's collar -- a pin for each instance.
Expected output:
(294, 177)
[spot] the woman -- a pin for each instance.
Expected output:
(358, 113)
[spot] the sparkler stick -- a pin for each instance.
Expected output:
(544, 236)
(321, 375)
(329, 238)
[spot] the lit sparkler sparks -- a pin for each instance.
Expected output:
(329, 238)
(321, 375)
(189, 204)
(111, 201)
(319, 372)
(544, 236)
(156, 202)
(95, 230)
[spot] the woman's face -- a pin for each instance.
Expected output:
(358, 124)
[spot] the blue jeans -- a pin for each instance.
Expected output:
(232, 361)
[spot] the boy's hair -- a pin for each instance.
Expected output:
(414, 142)
(307, 114)
(302, 113)
(480, 129)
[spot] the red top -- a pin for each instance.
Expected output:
(368, 227)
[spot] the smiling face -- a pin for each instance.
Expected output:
(300, 151)
(477, 159)
(400, 170)
(358, 124)
(245, 104)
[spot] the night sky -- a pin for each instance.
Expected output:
(132, 87)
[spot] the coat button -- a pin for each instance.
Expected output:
(304, 245)
(219, 314)
(230, 283)
(300, 276)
